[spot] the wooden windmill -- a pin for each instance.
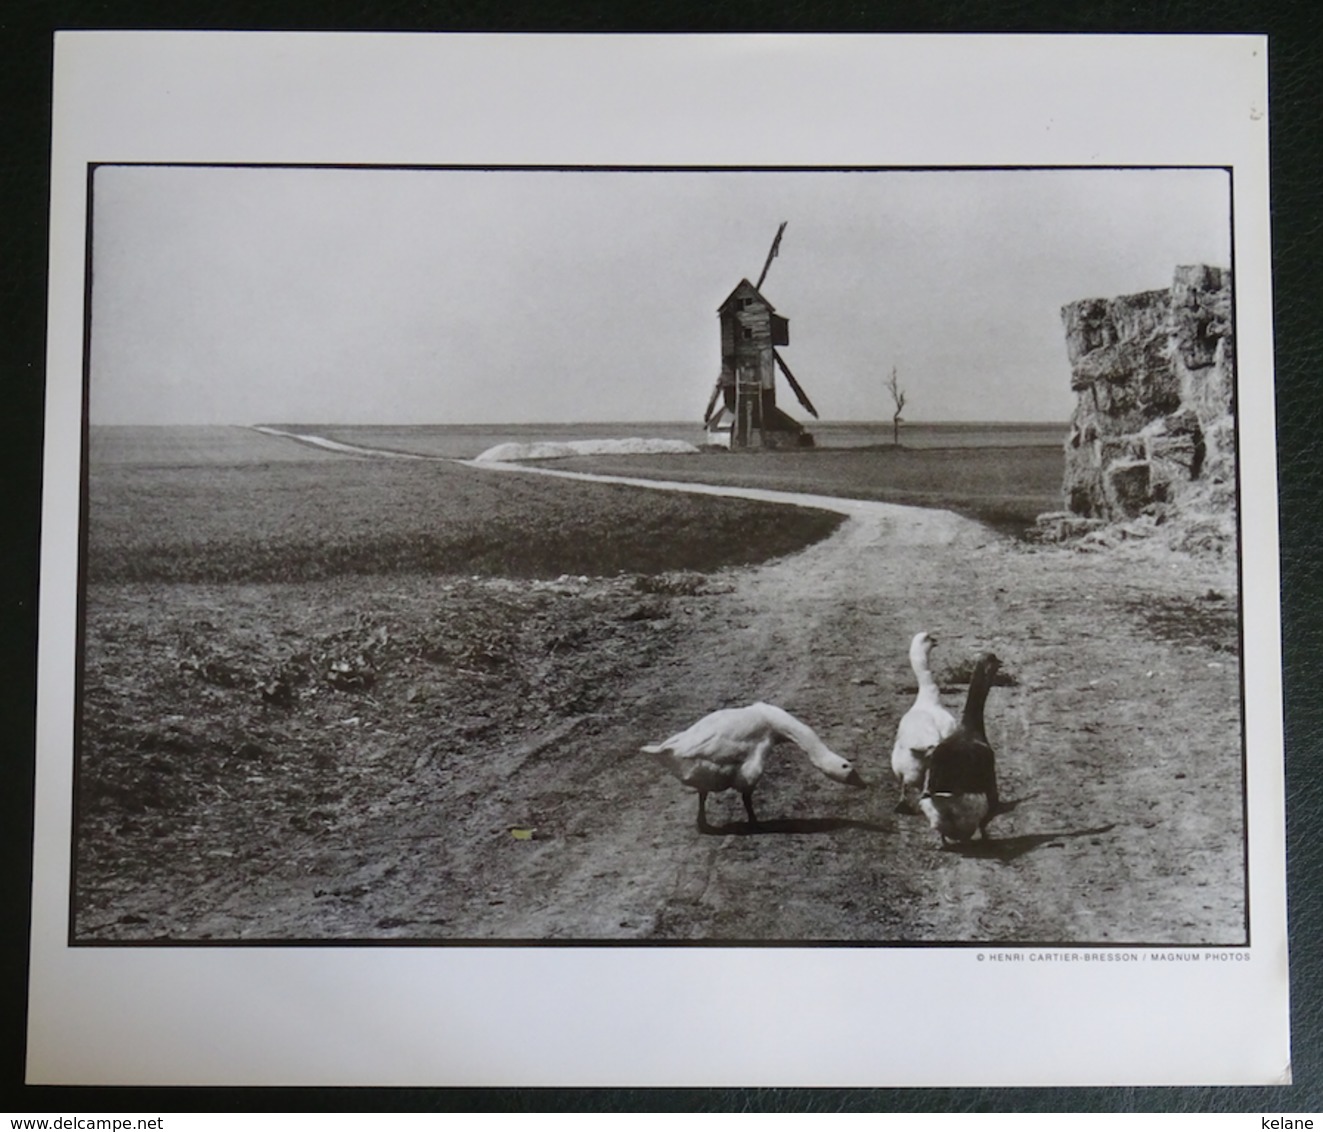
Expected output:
(742, 409)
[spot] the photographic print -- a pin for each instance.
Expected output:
(351, 671)
(532, 566)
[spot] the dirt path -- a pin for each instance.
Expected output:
(1119, 742)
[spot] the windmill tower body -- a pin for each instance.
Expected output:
(743, 407)
(750, 331)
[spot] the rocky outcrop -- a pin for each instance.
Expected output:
(1153, 432)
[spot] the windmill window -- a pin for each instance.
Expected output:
(745, 304)
(748, 333)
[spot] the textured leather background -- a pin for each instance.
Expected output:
(1295, 116)
(1295, 112)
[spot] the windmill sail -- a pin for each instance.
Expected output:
(790, 377)
(776, 250)
(712, 402)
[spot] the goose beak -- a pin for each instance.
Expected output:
(853, 779)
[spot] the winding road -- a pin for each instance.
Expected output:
(1118, 744)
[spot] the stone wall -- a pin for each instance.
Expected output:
(1154, 374)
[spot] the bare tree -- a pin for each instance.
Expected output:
(898, 396)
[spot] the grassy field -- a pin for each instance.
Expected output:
(463, 442)
(198, 519)
(1002, 475)
(201, 446)
(232, 505)
(1007, 488)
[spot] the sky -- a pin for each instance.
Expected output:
(408, 296)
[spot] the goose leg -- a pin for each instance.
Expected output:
(747, 795)
(702, 812)
(994, 806)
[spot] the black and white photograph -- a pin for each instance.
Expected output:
(509, 566)
(952, 625)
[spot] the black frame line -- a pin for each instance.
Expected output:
(1141, 948)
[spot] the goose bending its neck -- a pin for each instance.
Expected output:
(727, 750)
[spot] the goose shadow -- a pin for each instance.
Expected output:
(793, 825)
(1006, 849)
(1005, 806)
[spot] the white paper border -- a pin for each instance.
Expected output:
(664, 1016)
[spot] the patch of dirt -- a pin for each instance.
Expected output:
(1210, 620)
(457, 759)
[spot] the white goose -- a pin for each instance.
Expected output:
(921, 728)
(727, 751)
